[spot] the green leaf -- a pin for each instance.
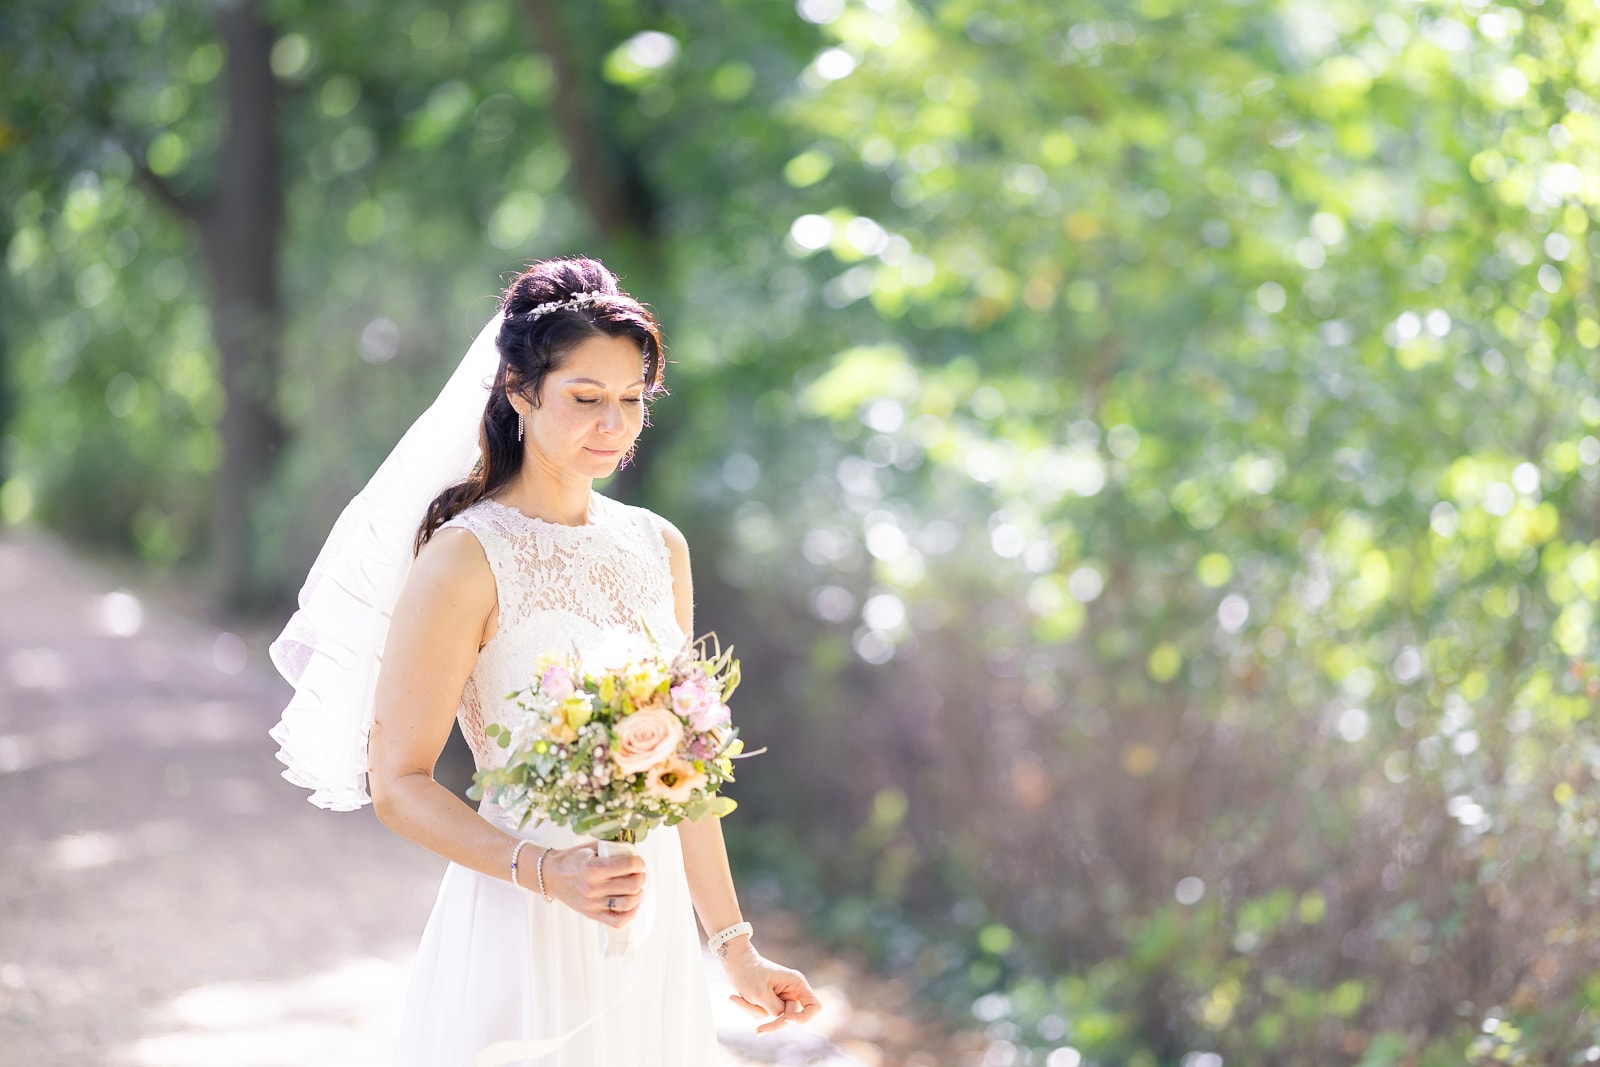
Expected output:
(601, 826)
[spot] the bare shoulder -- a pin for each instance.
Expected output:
(673, 537)
(453, 562)
(678, 564)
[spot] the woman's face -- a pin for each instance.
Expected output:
(591, 408)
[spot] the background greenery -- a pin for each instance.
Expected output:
(1145, 453)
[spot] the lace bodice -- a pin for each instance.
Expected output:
(561, 586)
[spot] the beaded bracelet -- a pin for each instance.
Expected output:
(539, 869)
(514, 854)
(718, 941)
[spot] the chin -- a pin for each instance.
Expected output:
(602, 466)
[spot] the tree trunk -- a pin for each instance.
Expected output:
(600, 178)
(240, 235)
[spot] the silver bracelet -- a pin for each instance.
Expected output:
(514, 854)
(718, 941)
(539, 869)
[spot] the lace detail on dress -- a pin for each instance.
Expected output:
(470, 716)
(560, 587)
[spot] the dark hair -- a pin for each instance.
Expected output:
(530, 348)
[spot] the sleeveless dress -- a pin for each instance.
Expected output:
(498, 963)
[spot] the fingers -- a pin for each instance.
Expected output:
(798, 997)
(787, 998)
(607, 889)
(615, 919)
(608, 905)
(793, 1012)
(622, 883)
(618, 865)
(747, 1006)
(615, 874)
(765, 999)
(612, 888)
(626, 893)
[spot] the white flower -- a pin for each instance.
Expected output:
(614, 651)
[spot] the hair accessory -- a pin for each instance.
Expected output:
(514, 854)
(718, 941)
(539, 869)
(579, 300)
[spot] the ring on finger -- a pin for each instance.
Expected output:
(611, 903)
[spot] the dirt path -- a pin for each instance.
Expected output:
(166, 900)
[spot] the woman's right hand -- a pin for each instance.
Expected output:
(586, 882)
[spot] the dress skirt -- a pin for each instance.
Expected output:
(498, 964)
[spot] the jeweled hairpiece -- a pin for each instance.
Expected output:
(562, 305)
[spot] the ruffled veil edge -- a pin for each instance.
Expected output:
(332, 646)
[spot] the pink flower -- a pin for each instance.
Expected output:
(675, 780)
(699, 703)
(712, 716)
(688, 695)
(646, 738)
(556, 683)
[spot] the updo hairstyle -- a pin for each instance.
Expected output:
(530, 348)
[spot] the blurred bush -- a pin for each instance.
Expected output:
(1146, 458)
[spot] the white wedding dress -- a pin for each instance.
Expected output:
(500, 964)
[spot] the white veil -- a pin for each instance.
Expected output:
(331, 647)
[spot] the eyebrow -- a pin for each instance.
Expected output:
(591, 381)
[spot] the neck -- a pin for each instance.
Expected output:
(542, 492)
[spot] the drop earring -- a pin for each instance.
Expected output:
(522, 425)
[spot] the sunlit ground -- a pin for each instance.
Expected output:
(348, 1014)
(345, 1015)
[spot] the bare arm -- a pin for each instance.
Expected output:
(446, 612)
(764, 988)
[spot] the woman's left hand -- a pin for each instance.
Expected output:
(780, 994)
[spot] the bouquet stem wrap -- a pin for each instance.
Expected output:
(621, 942)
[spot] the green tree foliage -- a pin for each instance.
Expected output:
(1261, 337)
(1145, 454)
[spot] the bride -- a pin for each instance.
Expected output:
(479, 544)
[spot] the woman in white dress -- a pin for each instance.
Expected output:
(518, 557)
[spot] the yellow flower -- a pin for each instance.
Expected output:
(577, 709)
(725, 761)
(608, 689)
(645, 682)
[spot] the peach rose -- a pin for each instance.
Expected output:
(645, 738)
(675, 780)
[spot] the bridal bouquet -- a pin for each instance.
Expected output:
(618, 740)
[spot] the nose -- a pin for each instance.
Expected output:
(611, 419)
